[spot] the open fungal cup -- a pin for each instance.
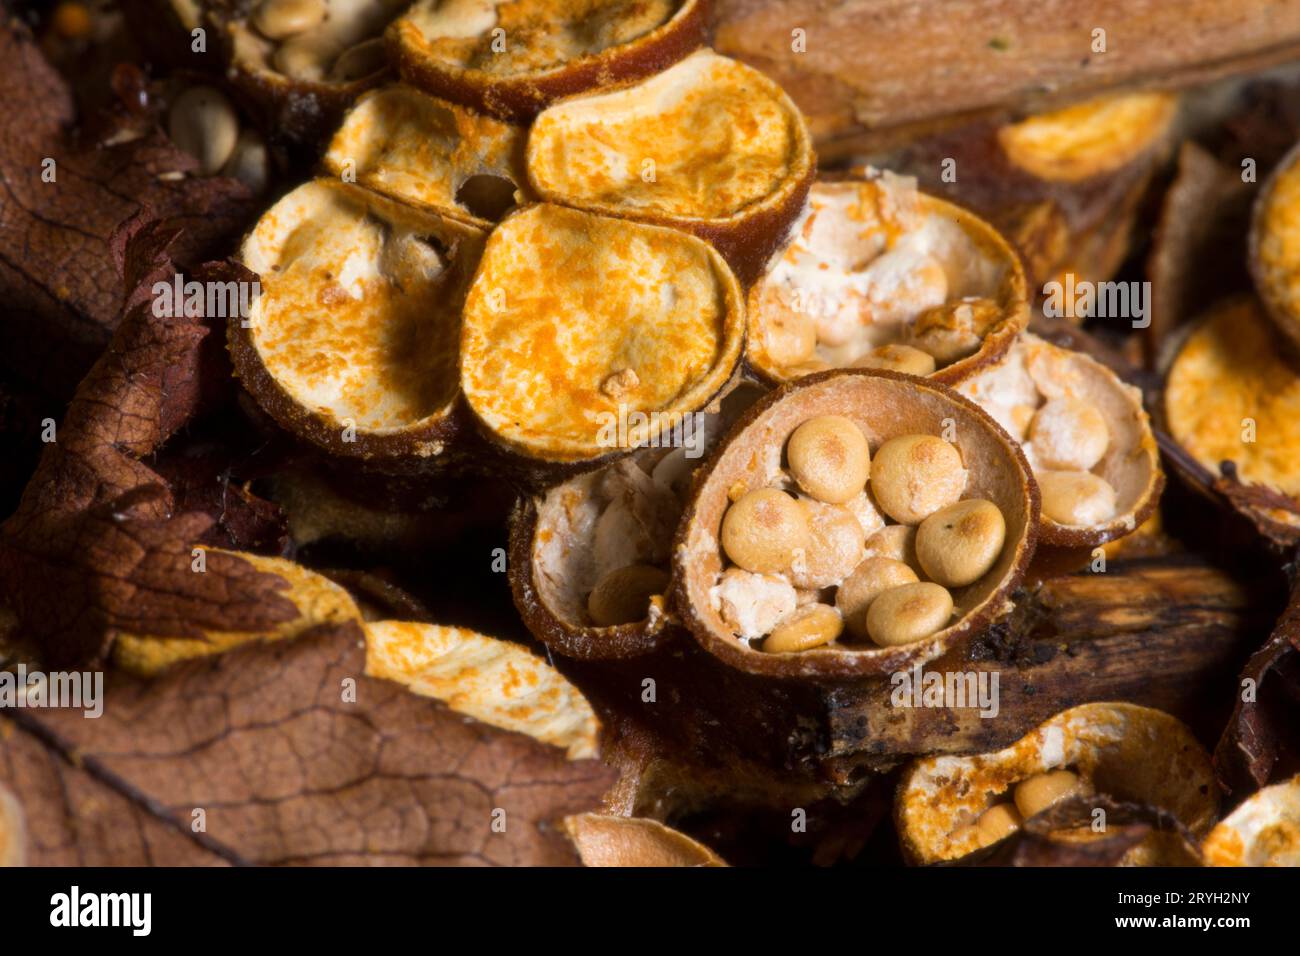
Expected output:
(309, 59)
(1089, 139)
(590, 557)
(879, 275)
(1231, 382)
(432, 154)
(710, 146)
(512, 59)
(1263, 831)
(1274, 255)
(352, 344)
(950, 806)
(1086, 435)
(586, 336)
(853, 524)
(493, 681)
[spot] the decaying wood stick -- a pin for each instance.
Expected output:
(1169, 633)
(872, 64)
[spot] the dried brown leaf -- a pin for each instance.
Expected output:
(62, 293)
(287, 767)
(317, 602)
(97, 545)
(73, 818)
(494, 681)
(200, 480)
(1261, 742)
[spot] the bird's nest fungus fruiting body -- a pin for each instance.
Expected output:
(792, 562)
(1230, 381)
(553, 580)
(431, 154)
(1089, 139)
(666, 151)
(1264, 830)
(1274, 246)
(950, 806)
(586, 336)
(512, 60)
(879, 275)
(490, 680)
(1086, 435)
(590, 556)
(306, 61)
(353, 343)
